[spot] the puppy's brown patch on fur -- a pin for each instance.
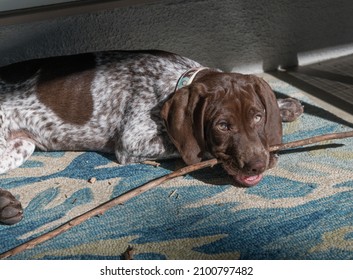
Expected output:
(65, 87)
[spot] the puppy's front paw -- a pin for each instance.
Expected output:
(290, 109)
(11, 211)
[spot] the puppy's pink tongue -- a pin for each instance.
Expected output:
(248, 180)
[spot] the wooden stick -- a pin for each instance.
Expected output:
(311, 140)
(102, 208)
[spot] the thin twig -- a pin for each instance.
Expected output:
(101, 209)
(311, 140)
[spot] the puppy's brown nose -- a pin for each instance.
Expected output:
(255, 167)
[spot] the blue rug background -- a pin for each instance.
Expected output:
(301, 210)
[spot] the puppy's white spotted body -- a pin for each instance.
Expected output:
(123, 99)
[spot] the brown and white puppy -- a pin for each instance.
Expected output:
(136, 105)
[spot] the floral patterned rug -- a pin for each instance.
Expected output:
(301, 210)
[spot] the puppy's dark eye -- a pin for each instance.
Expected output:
(223, 125)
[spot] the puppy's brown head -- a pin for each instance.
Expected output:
(234, 118)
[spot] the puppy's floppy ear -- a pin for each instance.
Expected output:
(183, 115)
(273, 125)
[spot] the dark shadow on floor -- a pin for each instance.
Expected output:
(315, 147)
(314, 90)
(330, 81)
